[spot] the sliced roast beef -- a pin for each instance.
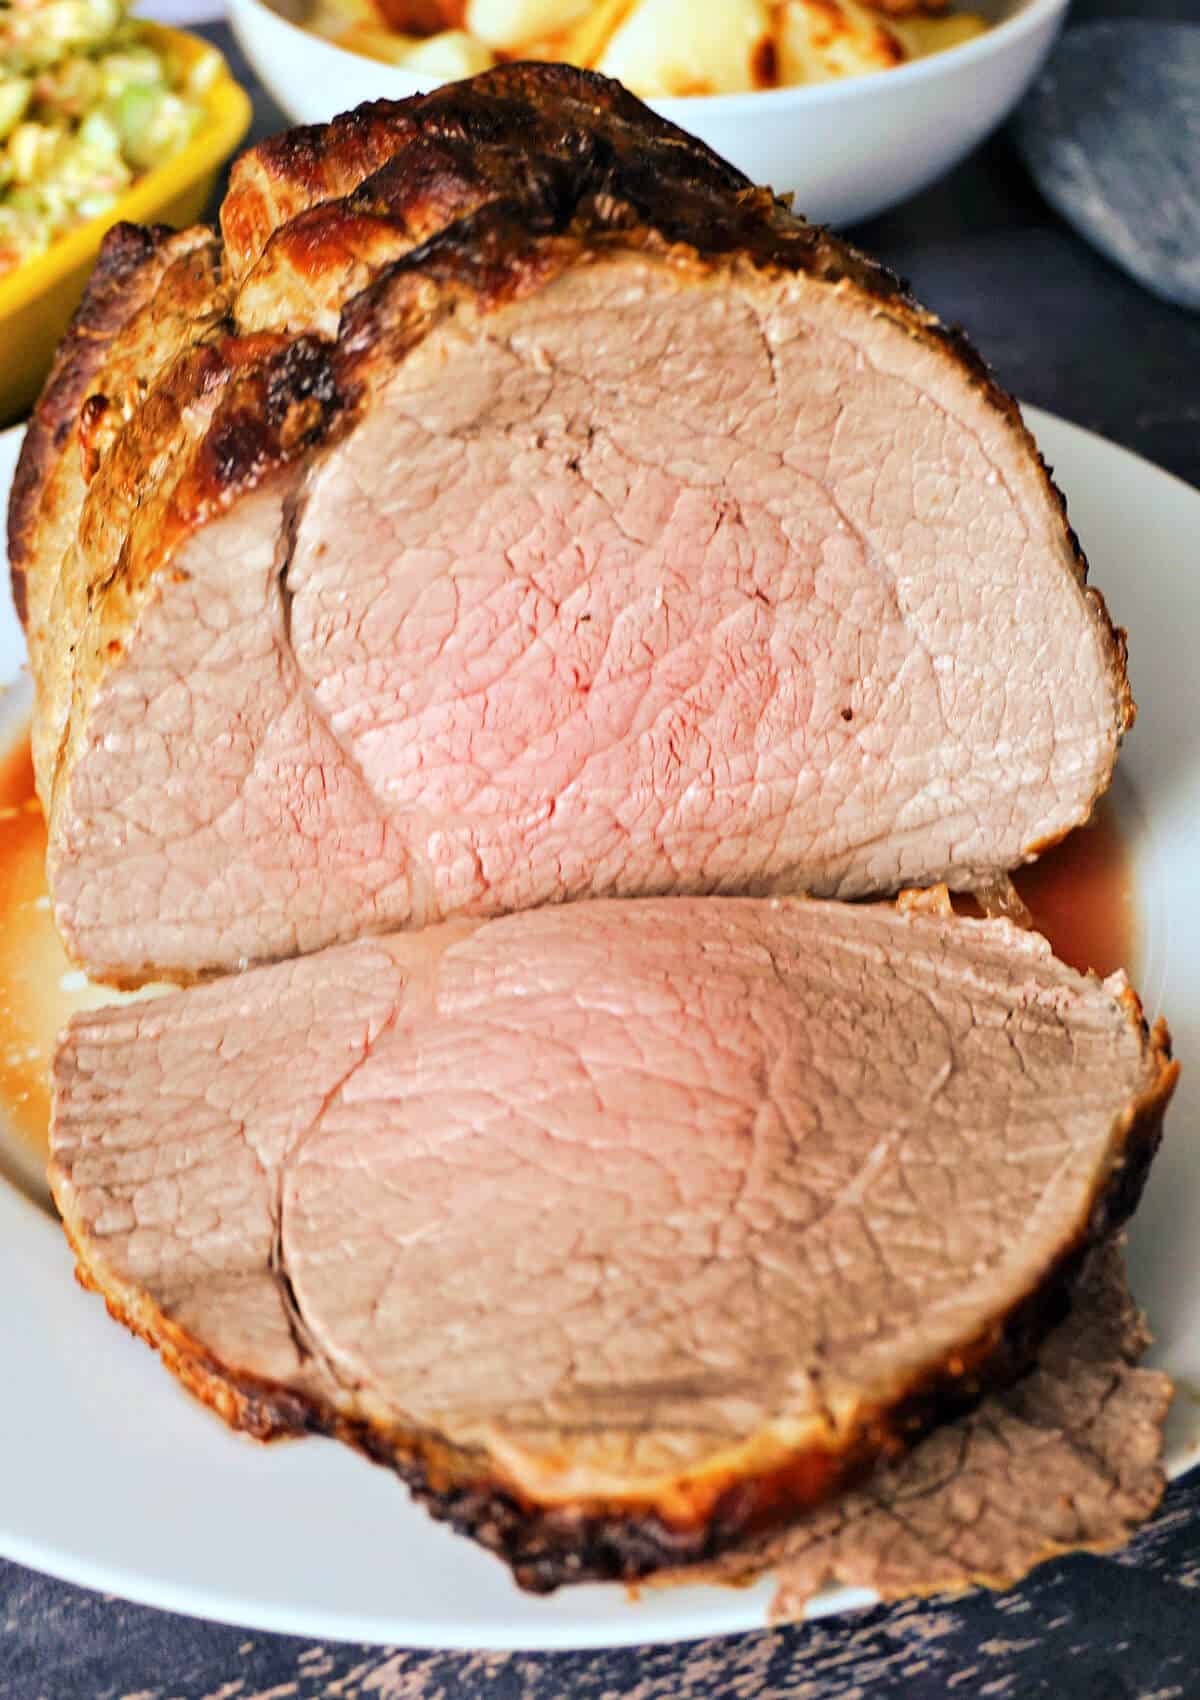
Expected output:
(623, 1230)
(1069, 1458)
(536, 511)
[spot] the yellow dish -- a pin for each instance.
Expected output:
(38, 298)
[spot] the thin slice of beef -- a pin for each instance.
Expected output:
(1068, 1459)
(621, 1231)
(541, 512)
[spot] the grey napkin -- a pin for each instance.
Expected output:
(1111, 133)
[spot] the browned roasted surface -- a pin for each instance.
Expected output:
(128, 273)
(152, 293)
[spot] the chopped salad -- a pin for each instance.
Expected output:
(88, 102)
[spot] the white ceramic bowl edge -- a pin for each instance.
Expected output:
(846, 150)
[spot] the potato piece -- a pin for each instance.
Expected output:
(510, 24)
(449, 56)
(334, 18)
(387, 46)
(934, 35)
(820, 40)
(674, 47)
(590, 36)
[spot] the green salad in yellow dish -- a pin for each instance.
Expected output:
(87, 104)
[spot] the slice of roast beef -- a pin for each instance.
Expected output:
(1069, 1458)
(537, 512)
(621, 1230)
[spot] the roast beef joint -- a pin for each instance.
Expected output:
(527, 634)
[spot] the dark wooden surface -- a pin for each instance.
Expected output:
(1068, 331)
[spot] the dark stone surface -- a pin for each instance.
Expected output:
(1065, 329)
(1083, 1629)
(1111, 134)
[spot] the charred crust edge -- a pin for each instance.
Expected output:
(111, 296)
(285, 400)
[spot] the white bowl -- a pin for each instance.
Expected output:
(846, 150)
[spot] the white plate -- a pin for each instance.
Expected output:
(114, 1478)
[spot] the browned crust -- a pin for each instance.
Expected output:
(271, 183)
(271, 397)
(124, 278)
(283, 397)
(552, 140)
(592, 1539)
